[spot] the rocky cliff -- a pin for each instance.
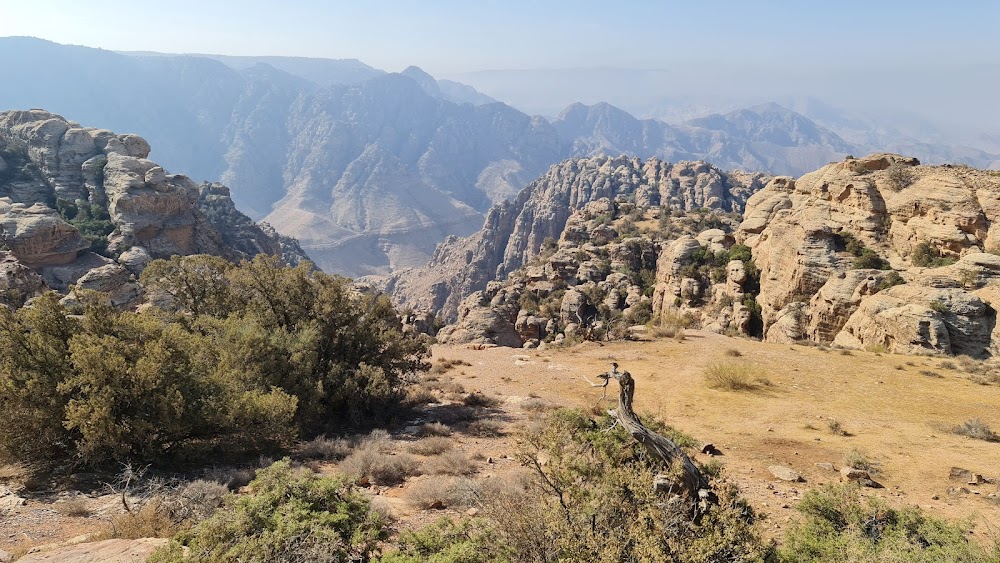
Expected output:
(879, 252)
(84, 207)
(516, 231)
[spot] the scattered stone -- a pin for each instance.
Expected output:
(472, 512)
(785, 473)
(826, 466)
(959, 474)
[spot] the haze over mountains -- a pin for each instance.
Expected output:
(370, 170)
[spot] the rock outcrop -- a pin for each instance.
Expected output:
(515, 231)
(75, 200)
(863, 253)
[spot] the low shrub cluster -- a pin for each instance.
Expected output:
(244, 359)
(839, 524)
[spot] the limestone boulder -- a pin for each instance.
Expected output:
(914, 318)
(38, 236)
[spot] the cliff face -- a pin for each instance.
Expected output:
(879, 252)
(80, 204)
(514, 231)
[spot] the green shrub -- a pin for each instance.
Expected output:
(591, 499)
(288, 515)
(248, 358)
(925, 255)
(839, 525)
(447, 541)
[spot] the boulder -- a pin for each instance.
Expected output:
(38, 236)
(785, 473)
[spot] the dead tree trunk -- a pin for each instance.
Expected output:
(691, 480)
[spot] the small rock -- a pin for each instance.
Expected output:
(959, 474)
(436, 505)
(826, 466)
(785, 473)
(472, 512)
(5, 557)
(710, 449)
(958, 491)
(854, 474)
(936, 497)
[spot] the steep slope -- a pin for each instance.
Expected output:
(84, 207)
(515, 230)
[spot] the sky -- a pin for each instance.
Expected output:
(455, 36)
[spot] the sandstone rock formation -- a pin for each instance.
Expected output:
(816, 239)
(73, 200)
(515, 231)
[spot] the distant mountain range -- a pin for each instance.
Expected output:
(371, 170)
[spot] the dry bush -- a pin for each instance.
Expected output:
(195, 501)
(835, 427)
(947, 364)
(152, 520)
(732, 376)
(478, 399)
(452, 462)
(899, 176)
(322, 447)
(381, 469)
(437, 492)
(859, 460)
(417, 395)
(733, 352)
(485, 428)
(977, 429)
(535, 405)
(433, 445)
(434, 429)
(929, 373)
(76, 508)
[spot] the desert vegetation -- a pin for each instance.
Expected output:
(240, 359)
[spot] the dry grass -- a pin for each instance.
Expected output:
(859, 460)
(433, 445)
(480, 400)
(835, 428)
(75, 508)
(152, 520)
(372, 461)
(438, 493)
(733, 376)
(535, 405)
(485, 428)
(434, 429)
(977, 429)
(733, 352)
(451, 462)
(322, 447)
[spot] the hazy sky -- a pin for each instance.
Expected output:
(448, 36)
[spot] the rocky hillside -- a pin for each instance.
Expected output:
(879, 253)
(84, 207)
(554, 213)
